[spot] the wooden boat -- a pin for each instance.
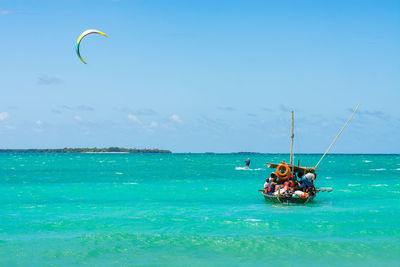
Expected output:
(286, 200)
(300, 171)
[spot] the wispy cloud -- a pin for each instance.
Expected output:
(77, 109)
(227, 108)
(66, 107)
(215, 124)
(148, 127)
(133, 118)
(6, 11)
(267, 109)
(78, 118)
(146, 112)
(3, 119)
(3, 116)
(140, 112)
(284, 108)
(377, 114)
(153, 124)
(84, 108)
(175, 118)
(48, 80)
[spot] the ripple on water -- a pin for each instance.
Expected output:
(252, 220)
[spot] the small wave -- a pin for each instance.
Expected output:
(34, 206)
(381, 169)
(253, 220)
(248, 169)
(119, 173)
(130, 183)
(353, 184)
(242, 168)
(398, 169)
(328, 178)
(379, 185)
(367, 161)
(344, 190)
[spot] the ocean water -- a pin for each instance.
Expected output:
(194, 210)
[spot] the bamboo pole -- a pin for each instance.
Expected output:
(291, 141)
(334, 140)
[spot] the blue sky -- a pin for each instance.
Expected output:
(197, 76)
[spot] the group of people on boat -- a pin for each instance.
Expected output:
(292, 185)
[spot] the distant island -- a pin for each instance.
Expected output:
(85, 150)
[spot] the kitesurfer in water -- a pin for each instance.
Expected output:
(247, 163)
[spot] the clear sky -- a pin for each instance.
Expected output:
(198, 76)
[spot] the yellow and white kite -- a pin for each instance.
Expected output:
(78, 42)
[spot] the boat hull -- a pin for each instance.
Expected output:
(287, 200)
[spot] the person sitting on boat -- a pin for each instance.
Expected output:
(297, 186)
(266, 184)
(288, 185)
(269, 186)
(247, 163)
(307, 182)
(269, 179)
(273, 176)
(299, 174)
(279, 184)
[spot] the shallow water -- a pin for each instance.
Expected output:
(194, 210)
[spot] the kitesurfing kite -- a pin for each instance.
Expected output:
(78, 42)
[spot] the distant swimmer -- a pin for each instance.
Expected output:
(247, 163)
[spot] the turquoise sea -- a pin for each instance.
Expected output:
(194, 210)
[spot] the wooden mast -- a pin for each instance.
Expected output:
(291, 142)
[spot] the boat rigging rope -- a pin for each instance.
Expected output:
(337, 136)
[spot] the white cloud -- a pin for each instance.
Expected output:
(175, 118)
(5, 11)
(84, 108)
(48, 80)
(39, 122)
(153, 124)
(3, 116)
(77, 118)
(133, 118)
(151, 127)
